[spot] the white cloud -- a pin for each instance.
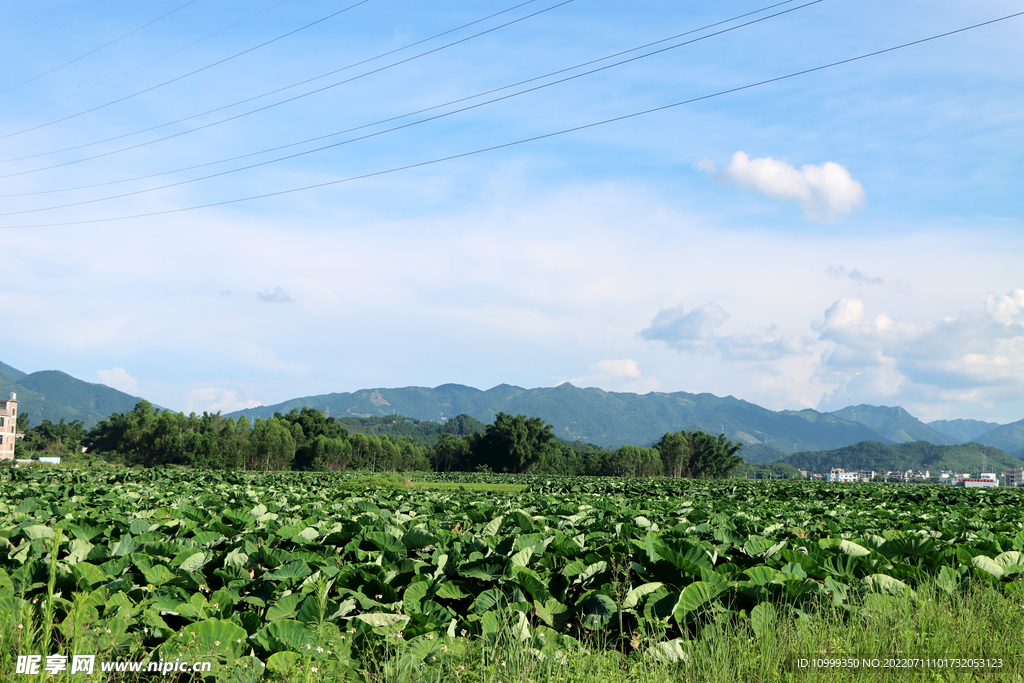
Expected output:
(693, 331)
(840, 271)
(824, 192)
(278, 296)
(118, 379)
(213, 399)
(618, 375)
(697, 331)
(976, 356)
(618, 368)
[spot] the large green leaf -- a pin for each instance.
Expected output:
(762, 619)
(285, 608)
(634, 596)
(692, 598)
(597, 611)
(286, 635)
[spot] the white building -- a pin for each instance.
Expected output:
(839, 474)
(8, 427)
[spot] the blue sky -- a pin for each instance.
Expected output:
(845, 236)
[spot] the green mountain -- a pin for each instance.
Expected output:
(604, 418)
(917, 455)
(54, 395)
(1009, 437)
(962, 430)
(895, 424)
(13, 374)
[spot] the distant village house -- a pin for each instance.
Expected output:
(8, 427)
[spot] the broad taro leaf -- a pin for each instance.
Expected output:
(839, 592)
(761, 576)
(531, 582)
(488, 569)
(634, 596)
(193, 562)
(989, 568)
(762, 619)
(286, 635)
(37, 531)
(692, 598)
(762, 548)
(844, 546)
(909, 546)
(597, 611)
(886, 585)
(418, 538)
(451, 590)
(383, 622)
(290, 572)
(552, 612)
(949, 580)
(284, 608)
(284, 663)
(844, 566)
(220, 637)
(668, 652)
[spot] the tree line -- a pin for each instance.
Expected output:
(308, 440)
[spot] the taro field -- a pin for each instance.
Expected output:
(295, 576)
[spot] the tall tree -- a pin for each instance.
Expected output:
(515, 444)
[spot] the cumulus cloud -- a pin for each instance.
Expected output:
(693, 331)
(697, 331)
(618, 368)
(278, 296)
(214, 399)
(974, 356)
(840, 271)
(824, 192)
(618, 375)
(118, 379)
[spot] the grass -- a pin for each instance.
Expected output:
(469, 486)
(977, 622)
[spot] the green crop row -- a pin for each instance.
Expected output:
(265, 569)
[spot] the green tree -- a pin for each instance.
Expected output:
(514, 444)
(273, 447)
(47, 439)
(450, 453)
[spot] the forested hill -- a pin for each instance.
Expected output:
(611, 419)
(54, 395)
(603, 418)
(917, 455)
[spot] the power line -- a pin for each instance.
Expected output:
(291, 99)
(190, 73)
(92, 52)
(143, 66)
(515, 143)
(395, 118)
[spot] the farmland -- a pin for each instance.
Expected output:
(335, 576)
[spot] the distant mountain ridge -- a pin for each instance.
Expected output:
(918, 456)
(592, 415)
(612, 419)
(54, 395)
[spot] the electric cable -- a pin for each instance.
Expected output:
(273, 92)
(515, 143)
(395, 118)
(92, 52)
(143, 66)
(183, 76)
(408, 125)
